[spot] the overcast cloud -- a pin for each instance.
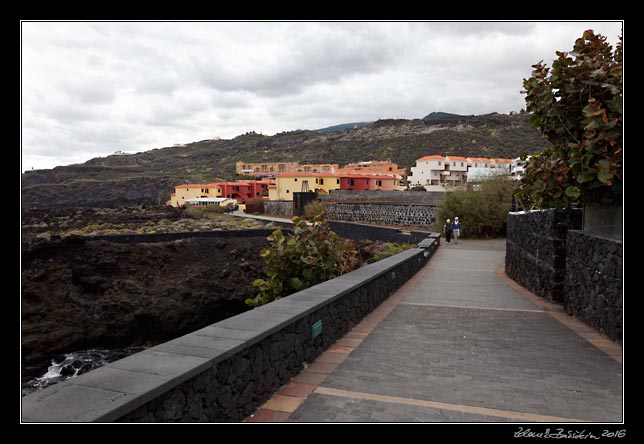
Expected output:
(92, 88)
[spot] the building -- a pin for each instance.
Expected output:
(435, 172)
(455, 170)
(517, 167)
(288, 183)
(274, 168)
(372, 166)
(189, 191)
(428, 171)
(370, 182)
(241, 191)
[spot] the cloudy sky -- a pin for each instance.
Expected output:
(89, 89)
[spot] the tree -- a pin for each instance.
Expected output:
(577, 105)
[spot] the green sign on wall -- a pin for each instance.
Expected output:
(316, 329)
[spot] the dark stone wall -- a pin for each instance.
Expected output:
(406, 215)
(358, 232)
(165, 237)
(399, 197)
(593, 284)
(235, 387)
(536, 250)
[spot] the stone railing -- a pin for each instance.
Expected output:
(223, 372)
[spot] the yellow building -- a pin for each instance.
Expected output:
(289, 183)
(190, 191)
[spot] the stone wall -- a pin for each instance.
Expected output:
(167, 237)
(593, 283)
(278, 207)
(406, 197)
(223, 372)
(358, 232)
(536, 250)
(407, 215)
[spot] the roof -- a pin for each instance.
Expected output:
(191, 185)
(479, 159)
(434, 157)
(455, 157)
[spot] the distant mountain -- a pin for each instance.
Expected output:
(439, 115)
(149, 177)
(342, 127)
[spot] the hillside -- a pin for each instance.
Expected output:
(149, 177)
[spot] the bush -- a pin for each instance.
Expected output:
(193, 213)
(482, 208)
(311, 255)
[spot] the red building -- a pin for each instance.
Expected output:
(242, 191)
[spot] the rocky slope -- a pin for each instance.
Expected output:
(78, 293)
(149, 177)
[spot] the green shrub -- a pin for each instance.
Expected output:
(311, 255)
(482, 209)
(193, 213)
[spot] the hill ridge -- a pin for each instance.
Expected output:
(150, 176)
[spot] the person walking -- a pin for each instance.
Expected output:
(447, 229)
(456, 228)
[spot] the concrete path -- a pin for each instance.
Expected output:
(460, 342)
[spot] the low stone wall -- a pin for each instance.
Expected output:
(407, 215)
(593, 283)
(358, 232)
(223, 372)
(278, 207)
(401, 197)
(166, 237)
(536, 250)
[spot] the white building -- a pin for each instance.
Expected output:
(428, 171)
(517, 167)
(434, 172)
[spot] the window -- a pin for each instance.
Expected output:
(337, 181)
(379, 183)
(287, 191)
(295, 180)
(351, 182)
(321, 181)
(453, 163)
(439, 163)
(462, 164)
(435, 173)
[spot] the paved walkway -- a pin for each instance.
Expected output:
(459, 342)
